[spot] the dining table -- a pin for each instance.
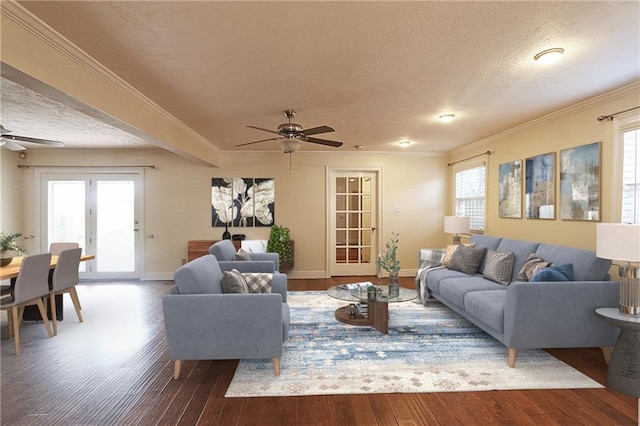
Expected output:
(11, 271)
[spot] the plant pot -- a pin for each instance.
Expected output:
(5, 261)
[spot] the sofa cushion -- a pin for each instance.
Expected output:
(234, 282)
(435, 276)
(533, 264)
(586, 266)
(455, 289)
(467, 259)
(521, 250)
(554, 273)
(242, 255)
(201, 275)
(499, 266)
(258, 282)
(487, 306)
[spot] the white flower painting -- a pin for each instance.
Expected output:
(242, 202)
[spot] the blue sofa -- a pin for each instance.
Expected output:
(202, 322)
(525, 315)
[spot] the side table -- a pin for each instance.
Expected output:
(623, 373)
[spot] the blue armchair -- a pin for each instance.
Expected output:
(202, 322)
(225, 251)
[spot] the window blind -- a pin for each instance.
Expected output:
(470, 195)
(631, 177)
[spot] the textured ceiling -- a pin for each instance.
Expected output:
(377, 72)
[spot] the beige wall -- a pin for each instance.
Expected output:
(177, 199)
(569, 128)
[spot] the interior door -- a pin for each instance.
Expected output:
(353, 222)
(100, 212)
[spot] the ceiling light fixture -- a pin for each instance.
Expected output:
(447, 118)
(405, 144)
(549, 56)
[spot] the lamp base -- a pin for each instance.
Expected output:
(457, 240)
(629, 299)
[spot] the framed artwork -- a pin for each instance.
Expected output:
(510, 189)
(242, 202)
(540, 187)
(580, 182)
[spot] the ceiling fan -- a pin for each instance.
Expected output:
(291, 135)
(9, 141)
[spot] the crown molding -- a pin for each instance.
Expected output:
(633, 87)
(38, 28)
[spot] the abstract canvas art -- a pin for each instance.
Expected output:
(510, 189)
(580, 182)
(242, 202)
(540, 187)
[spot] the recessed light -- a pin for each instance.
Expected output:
(405, 144)
(446, 118)
(359, 146)
(549, 56)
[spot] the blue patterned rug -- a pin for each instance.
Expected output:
(428, 349)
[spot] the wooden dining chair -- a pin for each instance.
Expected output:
(31, 286)
(57, 248)
(64, 280)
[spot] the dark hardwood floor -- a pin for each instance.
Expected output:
(114, 369)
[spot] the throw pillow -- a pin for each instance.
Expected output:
(234, 282)
(467, 259)
(554, 273)
(451, 248)
(242, 255)
(533, 264)
(498, 266)
(258, 282)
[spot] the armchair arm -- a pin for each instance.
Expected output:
(223, 326)
(558, 314)
(272, 257)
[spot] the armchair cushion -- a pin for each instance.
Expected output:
(200, 276)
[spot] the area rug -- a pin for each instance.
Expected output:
(428, 349)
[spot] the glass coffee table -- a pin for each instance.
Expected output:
(377, 312)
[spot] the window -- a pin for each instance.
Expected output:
(631, 177)
(470, 195)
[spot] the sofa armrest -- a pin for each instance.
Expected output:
(558, 314)
(223, 326)
(265, 266)
(272, 257)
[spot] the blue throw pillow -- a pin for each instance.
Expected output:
(554, 273)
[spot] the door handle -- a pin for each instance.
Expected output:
(373, 229)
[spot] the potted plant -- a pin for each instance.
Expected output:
(280, 242)
(8, 247)
(389, 262)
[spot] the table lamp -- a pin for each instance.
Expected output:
(621, 242)
(456, 225)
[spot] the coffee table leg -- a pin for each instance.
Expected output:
(379, 315)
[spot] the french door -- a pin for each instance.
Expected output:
(98, 211)
(352, 222)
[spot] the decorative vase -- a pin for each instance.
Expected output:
(226, 235)
(5, 261)
(394, 284)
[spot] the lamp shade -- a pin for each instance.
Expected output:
(457, 224)
(618, 241)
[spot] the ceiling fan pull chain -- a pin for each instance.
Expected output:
(290, 171)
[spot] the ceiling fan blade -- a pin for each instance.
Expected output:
(324, 142)
(264, 130)
(11, 146)
(33, 140)
(317, 130)
(263, 140)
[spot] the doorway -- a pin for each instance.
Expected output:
(99, 211)
(353, 220)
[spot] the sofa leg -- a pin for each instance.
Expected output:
(607, 351)
(177, 366)
(513, 353)
(276, 366)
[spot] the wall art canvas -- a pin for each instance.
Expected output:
(540, 187)
(510, 189)
(242, 202)
(580, 182)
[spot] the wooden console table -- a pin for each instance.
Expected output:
(197, 248)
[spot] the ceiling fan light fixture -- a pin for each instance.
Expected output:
(447, 118)
(290, 145)
(549, 56)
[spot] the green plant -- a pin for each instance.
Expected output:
(280, 242)
(8, 244)
(388, 260)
